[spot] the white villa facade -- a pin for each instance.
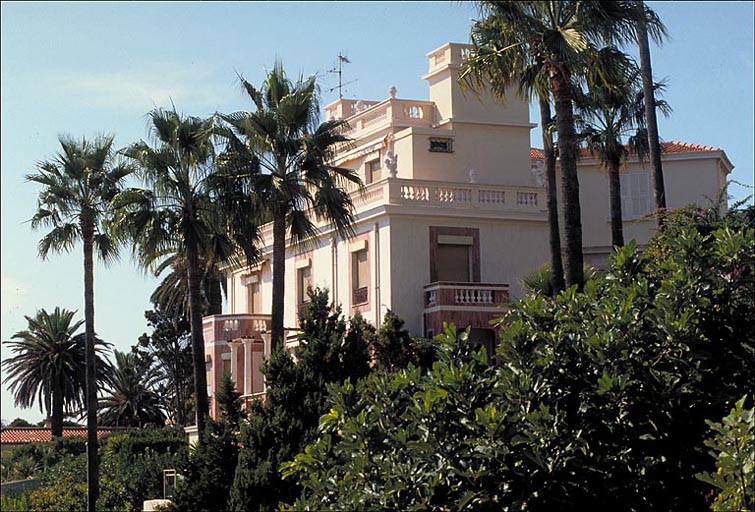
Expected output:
(452, 216)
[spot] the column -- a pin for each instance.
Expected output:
(234, 362)
(247, 366)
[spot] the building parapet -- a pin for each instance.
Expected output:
(235, 326)
(370, 117)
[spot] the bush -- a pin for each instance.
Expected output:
(68, 496)
(209, 472)
(135, 461)
(733, 447)
(277, 430)
(599, 399)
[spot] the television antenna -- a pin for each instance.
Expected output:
(342, 59)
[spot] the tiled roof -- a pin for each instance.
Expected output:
(20, 435)
(673, 146)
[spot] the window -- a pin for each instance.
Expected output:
(441, 145)
(635, 194)
(303, 283)
(453, 263)
(454, 254)
(253, 294)
(374, 170)
(360, 275)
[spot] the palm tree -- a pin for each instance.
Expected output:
(78, 186)
(176, 214)
(298, 182)
(558, 38)
(49, 364)
(649, 25)
(484, 68)
(130, 400)
(611, 111)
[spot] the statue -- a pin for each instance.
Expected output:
(391, 162)
(392, 91)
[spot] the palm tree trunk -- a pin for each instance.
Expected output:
(214, 295)
(654, 145)
(614, 189)
(93, 473)
(557, 268)
(197, 341)
(56, 419)
(567, 150)
(279, 278)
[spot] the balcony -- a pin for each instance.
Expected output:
(235, 327)
(369, 116)
(463, 304)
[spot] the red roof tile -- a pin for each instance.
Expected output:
(666, 148)
(19, 435)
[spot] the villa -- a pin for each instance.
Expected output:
(452, 216)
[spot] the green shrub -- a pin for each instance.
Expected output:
(68, 496)
(733, 447)
(598, 400)
(15, 502)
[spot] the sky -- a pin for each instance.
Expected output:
(84, 68)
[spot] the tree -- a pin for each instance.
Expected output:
(557, 40)
(299, 182)
(597, 398)
(75, 201)
(484, 69)
(279, 428)
(649, 25)
(49, 366)
(169, 350)
(176, 213)
(129, 399)
(611, 110)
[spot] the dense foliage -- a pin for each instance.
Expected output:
(733, 446)
(279, 428)
(132, 465)
(598, 398)
(208, 474)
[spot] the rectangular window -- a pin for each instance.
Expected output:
(441, 145)
(303, 283)
(635, 195)
(453, 263)
(254, 295)
(374, 171)
(360, 273)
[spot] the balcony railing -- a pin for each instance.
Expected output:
(247, 400)
(364, 116)
(233, 327)
(434, 194)
(485, 295)
(359, 296)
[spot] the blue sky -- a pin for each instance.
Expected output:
(89, 67)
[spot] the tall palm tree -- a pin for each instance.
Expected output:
(298, 182)
(130, 400)
(176, 214)
(611, 112)
(78, 185)
(484, 68)
(49, 365)
(559, 38)
(649, 25)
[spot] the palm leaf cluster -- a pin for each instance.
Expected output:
(48, 364)
(552, 49)
(281, 157)
(130, 399)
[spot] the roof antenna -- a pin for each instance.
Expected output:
(342, 59)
